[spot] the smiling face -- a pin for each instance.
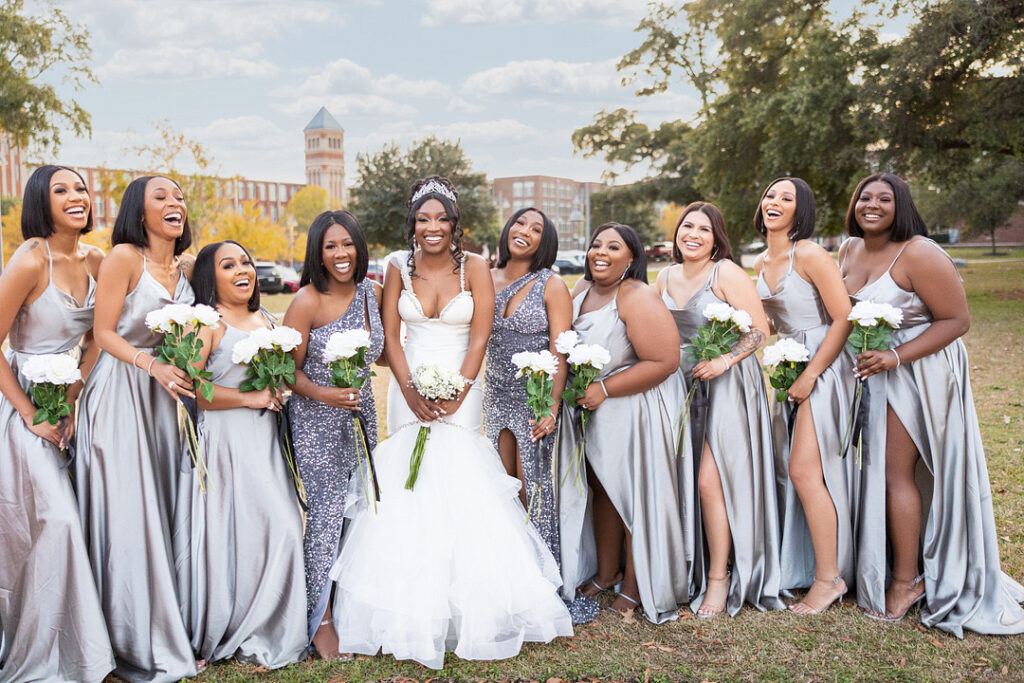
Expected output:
(695, 237)
(69, 202)
(164, 212)
(778, 208)
(876, 207)
(339, 253)
(235, 274)
(608, 256)
(433, 228)
(525, 235)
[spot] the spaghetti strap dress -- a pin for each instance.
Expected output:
(964, 586)
(51, 623)
(735, 422)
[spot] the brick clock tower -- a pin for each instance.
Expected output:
(325, 154)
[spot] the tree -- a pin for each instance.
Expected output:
(267, 240)
(34, 48)
(629, 204)
(11, 222)
(307, 204)
(386, 177)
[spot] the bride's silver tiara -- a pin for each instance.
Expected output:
(433, 187)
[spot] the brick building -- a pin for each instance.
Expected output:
(566, 202)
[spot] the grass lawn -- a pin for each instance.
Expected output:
(840, 645)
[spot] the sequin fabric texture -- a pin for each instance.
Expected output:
(325, 446)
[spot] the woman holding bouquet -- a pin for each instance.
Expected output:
(335, 296)
(240, 563)
(51, 622)
(632, 468)
(129, 451)
(803, 295)
(729, 426)
(921, 410)
(481, 581)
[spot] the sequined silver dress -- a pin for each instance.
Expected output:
(325, 448)
(51, 623)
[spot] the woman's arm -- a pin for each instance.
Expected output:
(932, 275)
(423, 409)
(736, 288)
(90, 350)
(378, 290)
(226, 398)
(300, 315)
(559, 309)
(478, 277)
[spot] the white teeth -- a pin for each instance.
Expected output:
(77, 211)
(601, 264)
(521, 242)
(433, 240)
(691, 245)
(342, 267)
(773, 214)
(173, 218)
(242, 283)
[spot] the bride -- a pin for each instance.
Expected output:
(452, 564)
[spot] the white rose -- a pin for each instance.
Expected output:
(523, 362)
(547, 363)
(286, 338)
(345, 344)
(263, 338)
(742, 320)
(864, 311)
(794, 351)
(62, 369)
(205, 316)
(34, 369)
(891, 315)
(244, 351)
(159, 320)
(566, 341)
(719, 311)
(772, 356)
(180, 314)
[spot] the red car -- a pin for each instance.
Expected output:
(659, 250)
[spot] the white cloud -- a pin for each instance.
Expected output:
(185, 63)
(544, 78)
(440, 12)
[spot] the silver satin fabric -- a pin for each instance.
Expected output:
(51, 623)
(630, 447)
(738, 432)
(126, 473)
(797, 312)
(239, 545)
(931, 396)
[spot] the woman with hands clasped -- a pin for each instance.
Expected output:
(728, 437)
(129, 450)
(239, 543)
(804, 298)
(46, 307)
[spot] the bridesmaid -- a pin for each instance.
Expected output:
(921, 410)
(630, 447)
(129, 451)
(733, 432)
(51, 622)
(244, 592)
(803, 295)
(335, 296)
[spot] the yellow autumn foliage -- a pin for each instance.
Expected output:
(265, 239)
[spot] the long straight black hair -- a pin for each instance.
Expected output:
(36, 213)
(313, 270)
(129, 227)
(204, 275)
(906, 222)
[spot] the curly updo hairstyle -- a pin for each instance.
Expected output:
(450, 207)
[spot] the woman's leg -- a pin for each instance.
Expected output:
(717, 533)
(325, 640)
(508, 449)
(609, 534)
(809, 481)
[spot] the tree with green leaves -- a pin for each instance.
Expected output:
(35, 50)
(386, 177)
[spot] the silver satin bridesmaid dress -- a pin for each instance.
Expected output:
(931, 396)
(243, 588)
(126, 472)
(52, 623)
(797, 312)
(630, 446)
(736, 424)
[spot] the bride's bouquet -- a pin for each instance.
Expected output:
(180, 325)
(873, 324)
(539, 368)
(51, 374)
(714, 338)
(785, 360)
(434, 383)
(585, 363)
(266, 353)
(345, 356)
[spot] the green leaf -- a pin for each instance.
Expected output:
(206, 390)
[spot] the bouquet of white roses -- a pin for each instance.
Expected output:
(873, 324)
(585, 363)
(266, 353)
(434, 383)
(345, 356)
(539, 368)
(51, 374)
(785, 360)
(180, 325)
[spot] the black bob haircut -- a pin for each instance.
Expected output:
(803, 217)
(638, 268)
(313, 270)
(204, 275)
(906, 221)
(129, 227)
(545, 255)
(36, 214)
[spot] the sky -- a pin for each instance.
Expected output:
(511, 79)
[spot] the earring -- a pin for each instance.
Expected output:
(714, 253)
(623, 276)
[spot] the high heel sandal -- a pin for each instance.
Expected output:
(339, 657)
(893, 618)
(838, 596)
(718, 609)
(624, 612)
(600, 589)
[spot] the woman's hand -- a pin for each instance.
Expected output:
(424, 410)
(52, 433)
(873, 362)
(592, 397)
(450, 407)
(172, 379)
(262, 399)
(336, 397)
(542, 428)
(707, 370)
(68, 425)
(802, 387)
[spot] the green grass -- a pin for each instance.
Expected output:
(984, 252)
(840, 645)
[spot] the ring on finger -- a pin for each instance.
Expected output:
(171, 384)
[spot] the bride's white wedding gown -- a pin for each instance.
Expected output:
(452, 565)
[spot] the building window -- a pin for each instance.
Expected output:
(99, 208)
(113, 208)
(517, 189)
(273, 192)
(528, 188)
(273, 211)
(263, 192)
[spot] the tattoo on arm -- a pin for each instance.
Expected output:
(748, 342)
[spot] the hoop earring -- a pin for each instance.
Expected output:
(623, 276)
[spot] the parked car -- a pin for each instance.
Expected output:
(291, 278)
(659, 251)
(375, 272)
(567, 267)
(270, 276)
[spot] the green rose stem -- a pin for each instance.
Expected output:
(417, 457)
